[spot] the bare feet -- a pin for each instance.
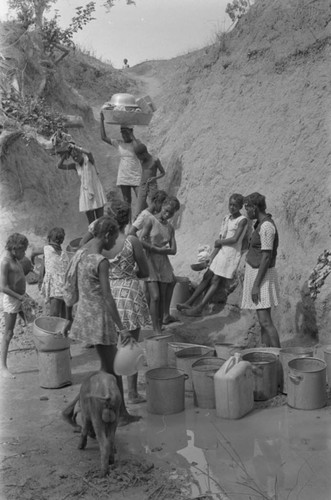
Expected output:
(5, 373)
(194, 311)
(127, 419)
(136, 399)
(169, 319)
(181, 307)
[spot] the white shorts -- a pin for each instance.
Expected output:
(11, 305)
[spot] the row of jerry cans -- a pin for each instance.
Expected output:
(234, 388)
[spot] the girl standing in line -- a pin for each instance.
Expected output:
(158, 238)
(128, 265)
(53, 269)
(97, 314)
(92, 197)
(224, 259)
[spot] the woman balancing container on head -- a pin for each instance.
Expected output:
(129, 170)
(92, 197)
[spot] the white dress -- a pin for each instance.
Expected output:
(227, 260)
(129, 170)
(91, 195)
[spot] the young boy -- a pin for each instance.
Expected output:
(150, 167)
(12, 285)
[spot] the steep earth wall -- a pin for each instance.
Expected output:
(249, 113)
(252, 113)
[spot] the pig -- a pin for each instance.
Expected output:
(100, 401)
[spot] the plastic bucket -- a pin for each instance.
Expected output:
(165, 391)
(157, 350)
(174, 347)
(225, 350)
(186, 357)
(46, 334)
(306, 383)
(203, 371)
(181, 293)
(287, 354)
(264, 366)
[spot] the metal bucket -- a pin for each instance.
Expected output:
(269, 350)
(265, 374)
(157, 350)
(287, 354)
(306, 383)
(225, 350)
(203, 371)
(174, 347)
(165, 391)
(54, 369)
(46, 334)
(186, 357)
(181, 293)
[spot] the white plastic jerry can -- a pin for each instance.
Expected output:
(234, 388)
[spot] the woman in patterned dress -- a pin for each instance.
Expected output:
(53, 271)
(127, 265)
(96, 314)
(224, 259)
(261, 290)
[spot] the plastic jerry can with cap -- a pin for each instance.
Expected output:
(234, 388)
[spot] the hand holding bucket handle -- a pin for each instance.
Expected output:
(125, 338)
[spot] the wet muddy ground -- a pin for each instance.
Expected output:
(273, 452)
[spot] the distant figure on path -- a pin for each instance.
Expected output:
(92, 197)
(129, 170)
(125, 64)
(261, 289)
(148, 182)
(12, 285)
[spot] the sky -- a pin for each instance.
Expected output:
(150, 29)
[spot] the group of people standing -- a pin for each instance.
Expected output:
(260, 287)
(108, 269)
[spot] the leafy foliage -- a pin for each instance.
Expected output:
(53, 35)
(237, 9)
(34, 112)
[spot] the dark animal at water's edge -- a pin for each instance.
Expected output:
(100, 401)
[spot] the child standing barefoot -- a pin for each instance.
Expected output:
(148, 183)
(55, 262)
(158, 238)
(12, 285)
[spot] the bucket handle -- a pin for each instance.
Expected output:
(295, 378)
